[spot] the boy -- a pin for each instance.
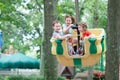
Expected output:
(58, 34)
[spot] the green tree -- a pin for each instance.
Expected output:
(65, 7)
(95, 25)
(95, 9)
(11, 20)
(113, 30)
(18, 21)
(25, 18)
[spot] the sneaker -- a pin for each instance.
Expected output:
(74, 53)
(80, 52)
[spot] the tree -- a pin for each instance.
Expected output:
(98, 8)
(65, 7)
(50, 64)
(95, 15)
(77, 10)
(11, 22)
(22, 24)
(95, 24)
(25, 18)
(113, 30)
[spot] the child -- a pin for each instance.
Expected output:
(82, 27)
(69, 21)
(58, 31)
(58, 34)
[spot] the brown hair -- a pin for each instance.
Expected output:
(56, 21)
(83, 24)
(70, 16)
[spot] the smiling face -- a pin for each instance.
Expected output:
(57, 27)
(80, 28)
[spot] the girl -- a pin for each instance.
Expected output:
(69, 21)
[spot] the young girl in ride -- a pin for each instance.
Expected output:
(69, 21)
(82, 27)
(67, 29)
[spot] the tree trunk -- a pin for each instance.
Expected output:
(95, 21)
(77, 10)
(95, 24)
(42, 63)
(50, 62)
(90, 73)
(113, 30)
(81, 8)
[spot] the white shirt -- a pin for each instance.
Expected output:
(65, 26)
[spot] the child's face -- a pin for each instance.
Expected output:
(57, 26)
(68, 21)
(80, 28)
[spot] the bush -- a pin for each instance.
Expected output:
(31, 77)
(16, 77)
(1, 78)
(61, 78)
(22, 77)
(35, 77)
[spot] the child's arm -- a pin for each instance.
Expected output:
(66, 30)
(63, 37)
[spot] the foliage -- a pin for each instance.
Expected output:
(65, 7)
(20, 23)
(29, 77)
(22, 20)
(1, 78)
(89, 10)
(61, 78)
(22, 77)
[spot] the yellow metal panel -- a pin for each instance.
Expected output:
(53, 47)
(65, 61)
(87, 59)
(91, 60)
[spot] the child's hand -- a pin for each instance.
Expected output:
(68, 35)
(92, 36)
(70, 40)
(71, 25)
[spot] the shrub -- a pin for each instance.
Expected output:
(15, 77)
(61, 78)
(22, 77)
(1, 78)
(31, 77)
